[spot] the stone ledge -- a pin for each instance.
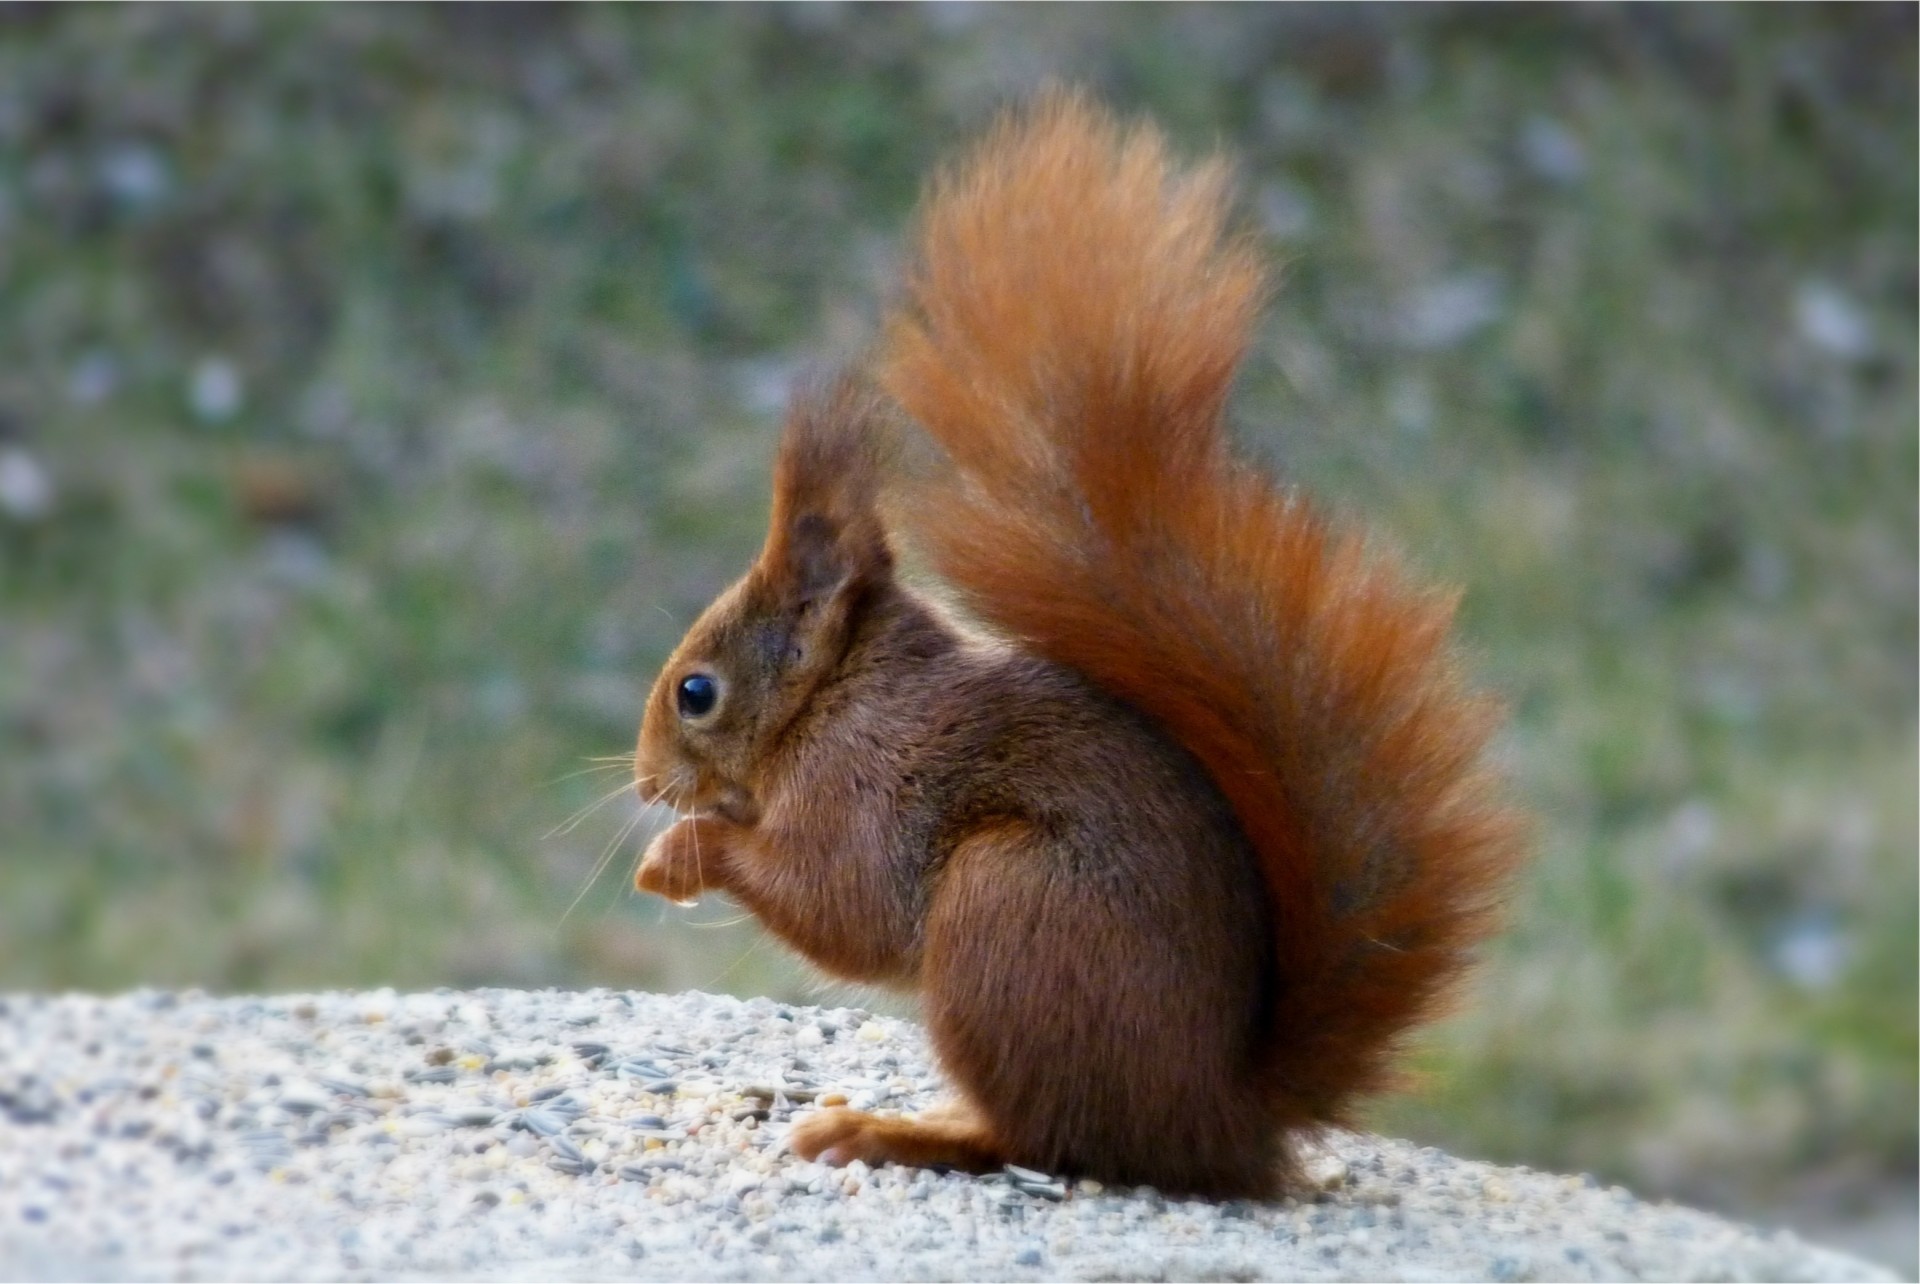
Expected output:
(598, 1134)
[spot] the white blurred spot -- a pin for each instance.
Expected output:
(1286, 212)
(1812, 952)
(762, 385)
(1449, 312)
(500, 697)
(829, 15)
(296, 559)
(135, 175)
(93, 378)
(1553, 151)
(26, 492)
(1410, 405)
(1832, 322)
(1768, 574)
(215, 390)
(1691, 833)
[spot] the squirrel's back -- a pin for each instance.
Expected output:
(1074, 320)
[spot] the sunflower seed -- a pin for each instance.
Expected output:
(542, 1122)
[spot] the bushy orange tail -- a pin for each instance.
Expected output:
(1073, 321)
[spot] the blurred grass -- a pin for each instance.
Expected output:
(382, 389)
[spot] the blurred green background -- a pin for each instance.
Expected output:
(382, 388)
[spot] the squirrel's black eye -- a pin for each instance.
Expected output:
(696, 695)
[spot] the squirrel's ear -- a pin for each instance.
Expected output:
(826, 533)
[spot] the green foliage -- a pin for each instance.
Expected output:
(401, 379)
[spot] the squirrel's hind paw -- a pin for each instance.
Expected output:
(937, 1139)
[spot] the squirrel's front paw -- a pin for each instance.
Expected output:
(673, 866)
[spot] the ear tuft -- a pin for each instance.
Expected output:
(825, 534)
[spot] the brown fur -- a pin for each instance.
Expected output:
(1173, 872)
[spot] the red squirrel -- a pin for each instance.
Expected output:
(1173, 810)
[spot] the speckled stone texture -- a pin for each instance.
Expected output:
(607, 1135)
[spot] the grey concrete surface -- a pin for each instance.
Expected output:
(603, 1135)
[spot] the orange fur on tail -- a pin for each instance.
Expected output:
(1074, 320)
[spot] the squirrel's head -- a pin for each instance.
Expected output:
(755, 657)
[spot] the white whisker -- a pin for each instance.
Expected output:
(758, 942)
(584, 771)
(572, 822)
(606, 858)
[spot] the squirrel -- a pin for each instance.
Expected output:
(1173, 808)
